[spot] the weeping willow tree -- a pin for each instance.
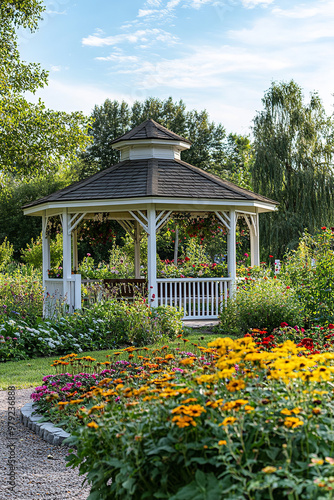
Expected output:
(293, 165)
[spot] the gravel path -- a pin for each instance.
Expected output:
(36, 476)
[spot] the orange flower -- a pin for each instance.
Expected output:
(92, 425)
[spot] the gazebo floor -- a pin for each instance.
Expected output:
(200, 323)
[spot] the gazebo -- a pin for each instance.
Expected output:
(141, 192)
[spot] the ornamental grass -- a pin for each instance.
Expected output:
(232, 420)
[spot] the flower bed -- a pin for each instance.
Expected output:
(315, 340)
(106, 325)
(229, 421)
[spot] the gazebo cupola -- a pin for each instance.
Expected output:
(141, 192)
(150, 140)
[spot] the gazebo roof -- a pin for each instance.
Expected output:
(151, 171)
(152, 177)
(150, 129)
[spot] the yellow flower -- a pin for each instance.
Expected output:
(93, 425)
(228, 421)
(187, 361)
(316, 461)
(286, 411)
(235, 385)
(183, 421)
(269, 469)
(222, 442)
(293, 422)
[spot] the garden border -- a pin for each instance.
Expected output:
(45, 430)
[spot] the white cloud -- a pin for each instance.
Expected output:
(70, 97)
(146, 12)
(136, 37)
(249, 4)
(204, 67)
(55, 69)
(119, 58)
(289, 27)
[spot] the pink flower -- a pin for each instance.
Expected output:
(89, 255)
(246, 255)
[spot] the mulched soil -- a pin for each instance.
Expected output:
(36, 475)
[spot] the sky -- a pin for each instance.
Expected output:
(218, 55)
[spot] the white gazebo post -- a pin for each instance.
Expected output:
(254, 240)
(67, 264)
(231, 250)
(152, 255)
(75, 249)
(45, 249)
(137, 248)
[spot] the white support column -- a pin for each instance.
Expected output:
(45, 249)
(75, 249)
(152, 256)
(231, 250)
(67, 264)
(137, 248)
(255, 241)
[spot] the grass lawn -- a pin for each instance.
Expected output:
(29, 373)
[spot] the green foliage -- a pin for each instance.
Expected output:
(104, 325)
(238, 161)
(18, 228)
(15, 75)
(32, 254)
(6, 254)
(32, 138)
(310, 271)
(260, 303)
(293, 165)
(21, 295)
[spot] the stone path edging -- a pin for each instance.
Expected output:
(46, 430)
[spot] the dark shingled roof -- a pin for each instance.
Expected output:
(150, 130)
(152, 177)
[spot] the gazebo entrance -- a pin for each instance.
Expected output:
(141, 193)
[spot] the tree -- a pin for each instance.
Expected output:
(237, 162)
(113, 119)
(293, 165)
(18, 228)
(32, 138)
(109, 121)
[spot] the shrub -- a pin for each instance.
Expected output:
(260, 303)
(21, 295)
(105, 325)
(32, 254)
(6, 254)
(310, 271)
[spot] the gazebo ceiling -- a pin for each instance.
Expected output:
(160, 176)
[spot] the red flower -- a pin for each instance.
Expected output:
(287, 287)
(330, 326)
(271, 256)
(324, 228)
(186, 259)
(283, 325)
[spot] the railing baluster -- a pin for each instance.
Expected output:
(199, 298)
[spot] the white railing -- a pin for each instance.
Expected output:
(200, 298)
(54, 299)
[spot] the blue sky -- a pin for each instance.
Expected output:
(219, 55)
